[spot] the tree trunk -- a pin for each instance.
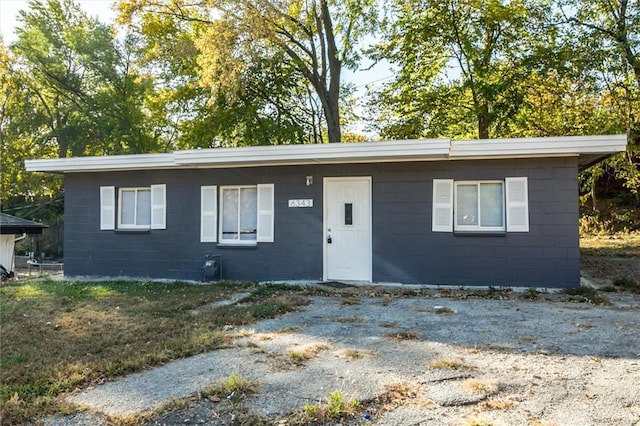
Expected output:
(332, 105)
(333, 122)
(594, 201)
(483, 121)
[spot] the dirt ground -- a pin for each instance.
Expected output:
(440, 358)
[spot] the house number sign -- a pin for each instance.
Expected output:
(300, 203)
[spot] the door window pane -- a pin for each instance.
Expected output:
(348, 214)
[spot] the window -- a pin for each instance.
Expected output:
(480, 206)
(137, 208)
(245, 214)
(134, 208)
(239, 214)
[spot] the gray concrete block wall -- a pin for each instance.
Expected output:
(404, 248)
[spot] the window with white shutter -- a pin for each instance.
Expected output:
(139, 208)
(245, 214)
(480, 206)
(208, 214)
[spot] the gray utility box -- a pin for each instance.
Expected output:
(212, 268)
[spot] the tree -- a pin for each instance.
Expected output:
(314, 38)
(461, 65)
(21, 139)
(84, 82)
(67, 89)
(608, 35)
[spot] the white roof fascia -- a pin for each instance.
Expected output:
(362, 152)
(103, 163)
(537, 147)
(336, 153)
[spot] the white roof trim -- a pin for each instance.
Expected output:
(316, 154)
(537, 147)
(103, 163)
(335, 153)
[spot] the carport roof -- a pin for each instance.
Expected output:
(16, 225)
(588, 149)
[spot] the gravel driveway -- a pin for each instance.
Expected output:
(409, 361)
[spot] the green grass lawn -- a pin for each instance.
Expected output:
(57, 336)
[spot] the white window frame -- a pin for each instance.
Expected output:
(478, 227)
(221, 238)
(120, 205)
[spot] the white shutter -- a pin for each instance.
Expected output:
(208, 214)
(442, 220)
(107, 208)
(517, 204)
(265, 213)
(159, 206)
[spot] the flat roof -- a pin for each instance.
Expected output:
(589, 149)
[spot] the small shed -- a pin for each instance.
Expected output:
(14, 229)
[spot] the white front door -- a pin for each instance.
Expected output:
(347, 229)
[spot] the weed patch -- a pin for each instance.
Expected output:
(307, 352)
(350, 353)
(347, 301)
(477, 421)
(496, 404)
(530, 294)
(403, 335)
(585, 295)
(487, 387)
(627, 284)
(499, 293)
(445, 363)
(234, 387)
(336, 407)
